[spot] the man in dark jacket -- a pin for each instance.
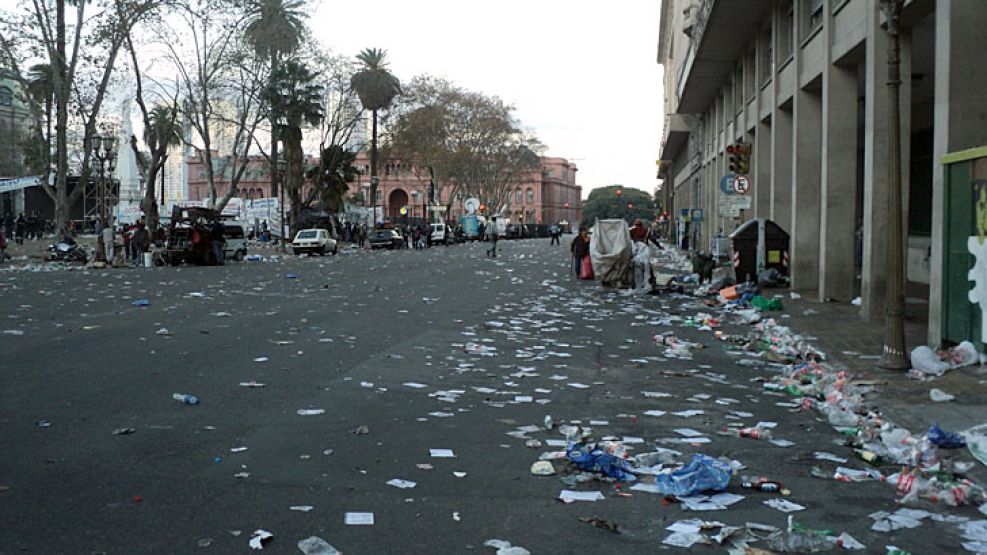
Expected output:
(218, 236)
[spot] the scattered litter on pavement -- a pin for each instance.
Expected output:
(310, 412)
(258, 539)
(505, 548)
(542, 468)
(401, 484)
(568, 496)
(124, 431)
(600, 523)
(252, 383)
(301, 508)
(940, 396)
(783, 505)
(141, 302)
(441, 453)
(315, 545)
(359, 519)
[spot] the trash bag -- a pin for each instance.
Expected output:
(609, 244)
(596, 460)
(771, 278)
(944, 439)
(586, 268)
(925, 361)
(761, 303)
(704, 473)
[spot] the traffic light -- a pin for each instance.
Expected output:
(734, 154)
(740, 158)
(745, 158)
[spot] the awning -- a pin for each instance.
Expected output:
(8, 185)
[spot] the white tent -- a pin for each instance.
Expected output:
(610, 251)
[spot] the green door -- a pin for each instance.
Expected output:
(961, 318)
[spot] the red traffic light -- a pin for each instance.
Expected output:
(731, 149)
(619, 192)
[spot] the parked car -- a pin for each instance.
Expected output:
(386, 239)
(314, 241)
(441, 233)
(236, 243)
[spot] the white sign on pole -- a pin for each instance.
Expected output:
(731, 205)
(471, 205)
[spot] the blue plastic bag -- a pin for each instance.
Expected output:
(944, 439)
(597, 460)
(702, 474)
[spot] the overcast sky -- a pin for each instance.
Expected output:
(581, 73)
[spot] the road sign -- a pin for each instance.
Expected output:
(731, 205)
(726, 184)
(471, 205)
(741, 184)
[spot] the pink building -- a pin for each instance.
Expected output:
(547, 196)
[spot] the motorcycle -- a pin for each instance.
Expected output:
(67, 252)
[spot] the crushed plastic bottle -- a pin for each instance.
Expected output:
(185, 398)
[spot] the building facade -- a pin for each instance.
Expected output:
(804, 83)
(544, 196)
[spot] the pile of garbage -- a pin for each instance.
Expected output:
(927, 364)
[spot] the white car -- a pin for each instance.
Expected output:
(441, 233)
(314, 241)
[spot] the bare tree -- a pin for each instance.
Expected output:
(220, 82)
(80, 74)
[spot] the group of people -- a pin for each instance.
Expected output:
(30, 227)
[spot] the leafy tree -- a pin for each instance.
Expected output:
(332, 177)
(616, 201)
(275, 29)
(377, 88)
(297, 98)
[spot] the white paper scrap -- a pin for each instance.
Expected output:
(256, 542)
(301, 508)
(359, 519)
(783, 505)
(402, 484)
(655, 412)
(442, 453)
(568, 496)
(310, 412)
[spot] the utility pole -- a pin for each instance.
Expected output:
(894, 356)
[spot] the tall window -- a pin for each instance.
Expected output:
(517, 196)
(786, 37)
(531, 196)
(766, 59)
(813, 15)
(6, 96)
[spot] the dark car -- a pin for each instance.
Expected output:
(386, 239)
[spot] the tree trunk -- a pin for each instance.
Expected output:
(293, 181)
(61, 109)
(274, 134)
(149, 204)
(373, 172)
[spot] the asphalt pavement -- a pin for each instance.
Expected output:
(405, 352)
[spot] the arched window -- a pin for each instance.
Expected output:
(517, 196)
(531, 196)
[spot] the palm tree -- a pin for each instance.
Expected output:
(376, 87)
(275, 28)
(336, 170)
(41, 87)
(296, 98)
(163, 132)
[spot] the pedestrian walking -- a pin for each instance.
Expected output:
(492, 237)
(554, 232)
(580, 250)
(218, 235)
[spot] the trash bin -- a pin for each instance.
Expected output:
(758, 245)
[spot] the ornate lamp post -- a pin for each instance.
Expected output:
(104, 151)
(282, 167)
(894, 356)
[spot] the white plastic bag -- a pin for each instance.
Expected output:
(925, 360)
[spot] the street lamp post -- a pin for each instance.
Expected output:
(104, 151)
(894, 356)
(282, 167)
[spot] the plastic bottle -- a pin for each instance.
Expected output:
(869, 457)
(754, 433)
(614, 448)
(185, 398)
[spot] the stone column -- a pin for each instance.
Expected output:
(781, 163)
(839, 177)
(805, 189)
(960, 115)
(761, 168)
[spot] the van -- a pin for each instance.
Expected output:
(441, 233)
(236, 242)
